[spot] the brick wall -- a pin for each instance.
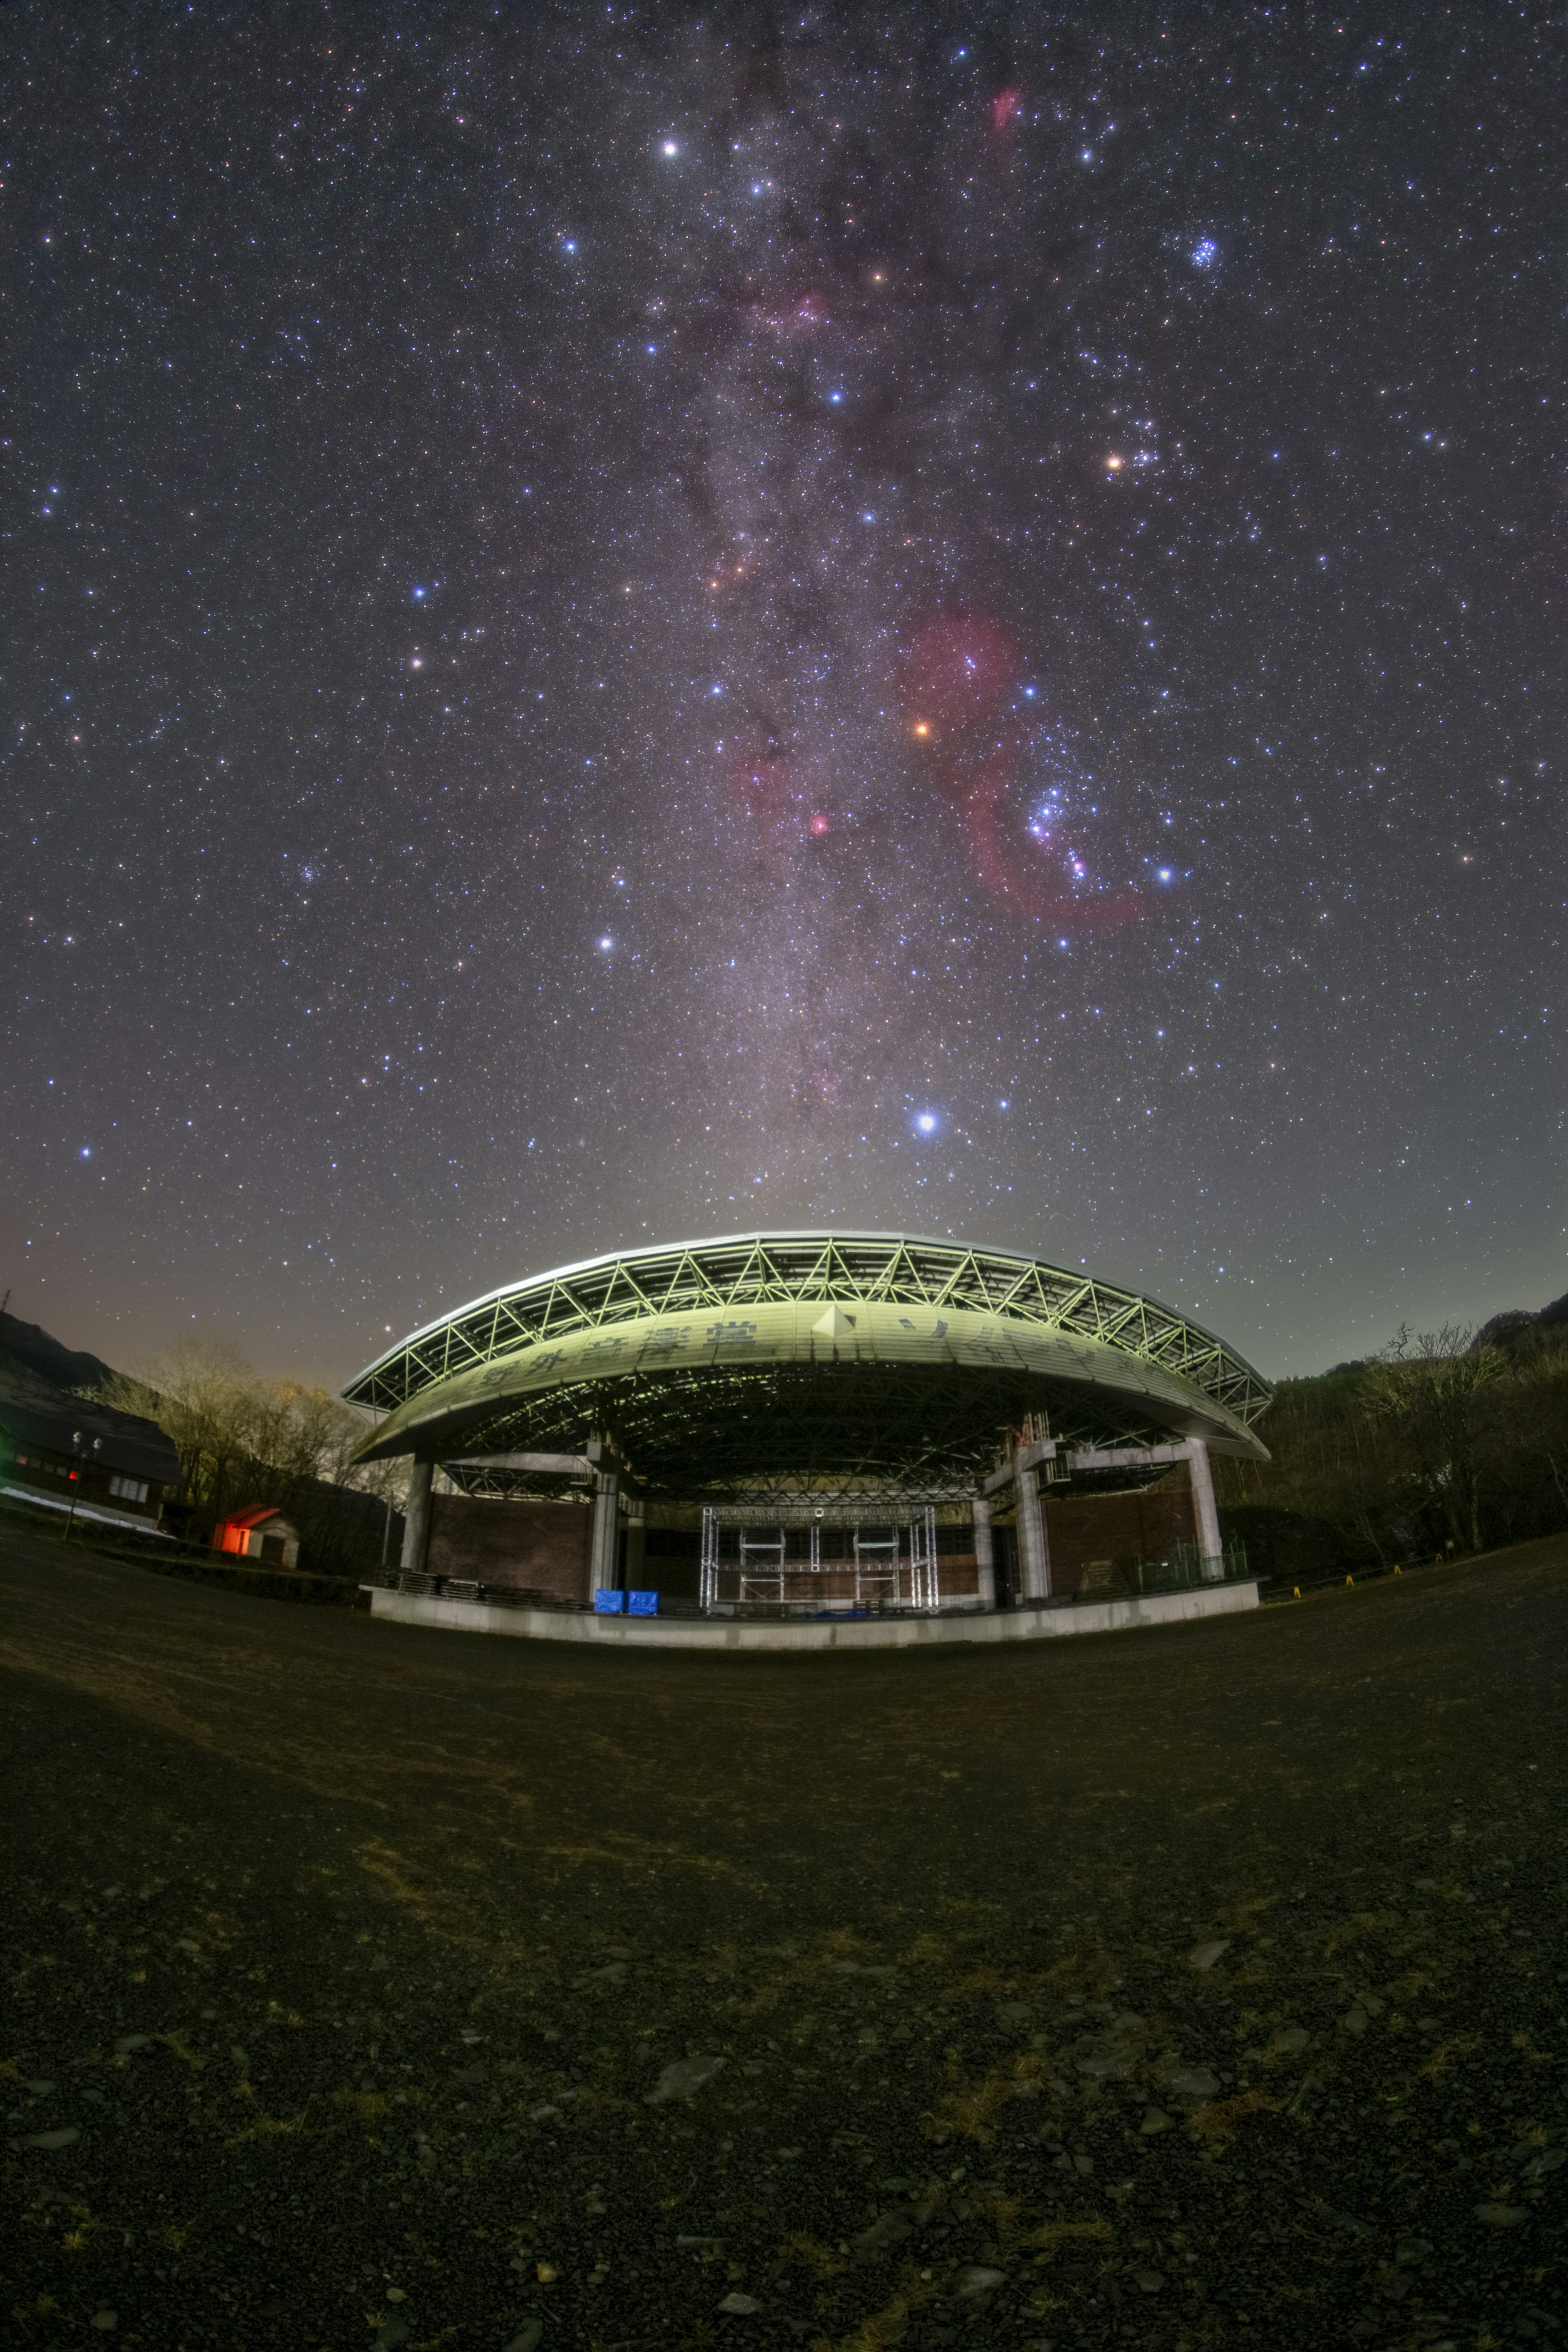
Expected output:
(1119, 1528)
(542, 1545)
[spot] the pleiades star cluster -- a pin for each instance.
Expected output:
(633, 622)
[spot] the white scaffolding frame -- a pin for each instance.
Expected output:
(925, 1587)
(771, 1548)
(889, 1546)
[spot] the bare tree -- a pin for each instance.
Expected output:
(1432, 1390)
(199, 1391)
(244, 1437)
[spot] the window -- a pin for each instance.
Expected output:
(129, 1490)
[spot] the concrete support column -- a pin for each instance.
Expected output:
(1034, 1551)
(416, 1521)
(605, 1544)
(984, 1559)
(636, 1544)
(1204, 1510)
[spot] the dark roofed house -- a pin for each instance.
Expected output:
(57, 1451)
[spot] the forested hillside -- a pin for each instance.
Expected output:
(1452, 1441)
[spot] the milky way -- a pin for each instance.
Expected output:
(631, 623)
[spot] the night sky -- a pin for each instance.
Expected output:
(625, 623)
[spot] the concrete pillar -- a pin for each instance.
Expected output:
(636, 1544)
(605, 1544)
(984, 1559)
(1204, 1510)
(1034, 1551)
(416, 1521)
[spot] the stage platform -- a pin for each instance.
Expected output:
(1032, 1623)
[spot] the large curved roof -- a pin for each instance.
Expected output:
(831, 1356)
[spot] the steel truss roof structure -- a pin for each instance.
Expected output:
(811, 1359)
(834, 1507)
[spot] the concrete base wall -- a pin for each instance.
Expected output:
(1033, 1623)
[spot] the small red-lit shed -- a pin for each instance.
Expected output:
(260, 1533)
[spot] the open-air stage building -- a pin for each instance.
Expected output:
(795, 1439)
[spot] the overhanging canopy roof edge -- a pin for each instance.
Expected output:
(909, 1336)
(763, 1235)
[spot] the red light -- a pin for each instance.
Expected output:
(71, 1473)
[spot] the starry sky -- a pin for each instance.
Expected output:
(631, 622)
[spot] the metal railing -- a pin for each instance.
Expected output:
(1184, 1568)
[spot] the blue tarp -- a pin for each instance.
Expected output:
(642, 1604)
(607, 1604)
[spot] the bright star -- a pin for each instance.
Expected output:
(926, 1122)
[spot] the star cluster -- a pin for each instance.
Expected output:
(643, 621)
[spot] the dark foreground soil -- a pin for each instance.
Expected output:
(1191, 1988)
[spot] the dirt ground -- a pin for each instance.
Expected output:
(1197, 1986)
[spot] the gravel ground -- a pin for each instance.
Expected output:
(375, 1986)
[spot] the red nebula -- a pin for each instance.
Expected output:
(957, 668)
(1005, 108)
(761, 783)
(780, 798)
(1002, 864)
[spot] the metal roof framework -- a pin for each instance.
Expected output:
(1129, 1367)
